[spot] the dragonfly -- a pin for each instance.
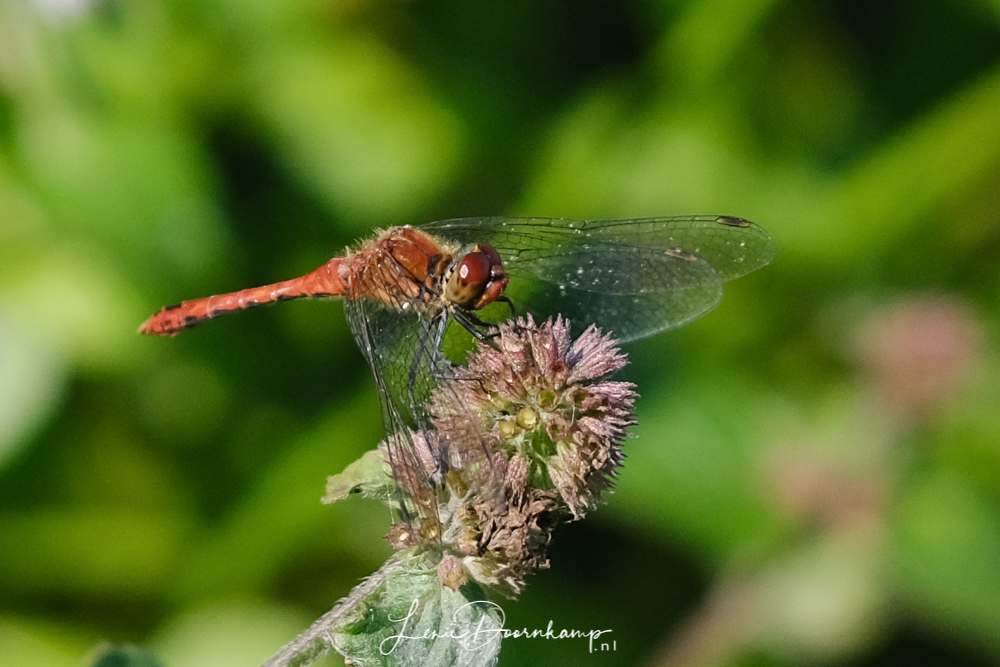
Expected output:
(417, 297)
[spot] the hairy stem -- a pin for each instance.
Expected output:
(317, 640)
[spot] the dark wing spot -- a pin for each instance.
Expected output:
(173, 307)
(679, 253)
(732, 221)
(190, 320)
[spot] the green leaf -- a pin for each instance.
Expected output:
(368, 476)
(411, 619)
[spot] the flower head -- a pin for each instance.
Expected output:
(534, 429)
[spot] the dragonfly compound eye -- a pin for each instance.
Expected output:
(469, 279)
(478, 279)
(498, 277)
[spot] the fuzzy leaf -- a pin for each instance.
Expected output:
(412, 619)
(368, 476)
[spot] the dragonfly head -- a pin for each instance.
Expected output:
(476, 280)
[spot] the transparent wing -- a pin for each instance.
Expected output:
(403, 348)
(634, 277)
(387, 339)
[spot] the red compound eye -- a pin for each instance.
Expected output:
(469, 279)
(478, 279)
(491, 254)
(474, 270)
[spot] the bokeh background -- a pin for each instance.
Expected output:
(816, 477)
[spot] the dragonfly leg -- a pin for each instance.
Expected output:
(443, 457)
(475, 325)
(471, 323)
(510, 304)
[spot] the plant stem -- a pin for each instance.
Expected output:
(317, 640)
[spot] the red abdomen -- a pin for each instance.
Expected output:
(402, 268)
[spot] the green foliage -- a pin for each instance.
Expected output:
(125, 656)
(413, 620)
(369, 476)
(819, 454)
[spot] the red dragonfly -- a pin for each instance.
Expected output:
(405, 289)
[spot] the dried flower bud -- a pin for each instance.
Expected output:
(402, 536)
(451, 573)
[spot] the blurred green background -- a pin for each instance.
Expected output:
(816, 477)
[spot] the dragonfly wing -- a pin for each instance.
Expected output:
(630, 291)
(403, 349)
(386, 348)
(633, 277)
(732, 246)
